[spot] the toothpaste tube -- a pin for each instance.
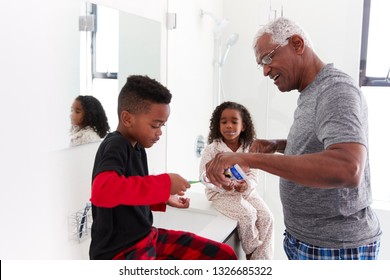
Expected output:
(235, 173)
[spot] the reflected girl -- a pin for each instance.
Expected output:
(88, 120)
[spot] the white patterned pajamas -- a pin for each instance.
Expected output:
(254, 218)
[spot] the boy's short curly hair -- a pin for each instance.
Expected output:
(139, 93)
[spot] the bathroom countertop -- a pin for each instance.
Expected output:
(200, 218)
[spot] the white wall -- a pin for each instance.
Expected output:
(378, 99)
(40, 78)
(190, 79)
(70, 181)
(36, 74)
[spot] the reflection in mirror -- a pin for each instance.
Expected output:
(114, 45)
(89, 121)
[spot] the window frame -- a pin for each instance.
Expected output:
(96, 74)
(365, 80)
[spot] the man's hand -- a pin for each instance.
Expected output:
(265, 146)
(216, 167)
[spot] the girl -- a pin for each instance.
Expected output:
(88, 119)
(232, 130)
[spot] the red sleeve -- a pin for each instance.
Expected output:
(110, 190)
(159, 207)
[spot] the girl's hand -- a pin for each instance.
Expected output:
(241, 186)
(229, 187)
(178, 201)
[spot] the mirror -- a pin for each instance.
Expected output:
(113, 45)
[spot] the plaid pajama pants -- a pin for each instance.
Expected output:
(298, 250)
(162, 244)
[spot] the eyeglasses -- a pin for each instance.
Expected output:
(267, 59)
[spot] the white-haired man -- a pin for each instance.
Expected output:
(324, 168)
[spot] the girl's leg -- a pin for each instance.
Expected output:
(235, 207)
(265, 226)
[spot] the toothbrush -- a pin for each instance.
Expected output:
(83, 217)
(193, 182)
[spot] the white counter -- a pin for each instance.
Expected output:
(200, 218)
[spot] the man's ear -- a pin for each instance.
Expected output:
(127, 118)
(298, 44)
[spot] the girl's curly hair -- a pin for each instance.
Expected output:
(246, 137)
(94, 115)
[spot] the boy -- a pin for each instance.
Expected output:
(123, 194)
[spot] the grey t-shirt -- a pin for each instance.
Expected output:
(330, 110)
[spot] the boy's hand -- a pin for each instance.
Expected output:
(178, 201)
(178, 184)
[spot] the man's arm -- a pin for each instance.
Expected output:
(339, 166)
(268, 146)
